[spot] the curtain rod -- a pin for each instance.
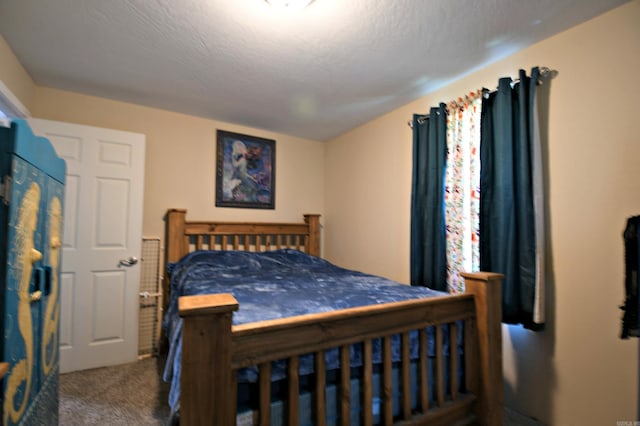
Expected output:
(544, 72)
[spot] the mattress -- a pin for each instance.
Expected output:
(279, 284)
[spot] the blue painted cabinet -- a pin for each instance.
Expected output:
(31, 200)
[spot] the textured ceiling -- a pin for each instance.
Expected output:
(314, 73)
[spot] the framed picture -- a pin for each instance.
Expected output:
(245, 171)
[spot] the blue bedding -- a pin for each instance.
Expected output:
(272, 285)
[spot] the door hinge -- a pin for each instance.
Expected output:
(5, 189)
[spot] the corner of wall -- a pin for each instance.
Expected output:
(18, 86)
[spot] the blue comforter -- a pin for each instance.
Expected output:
(273, 285)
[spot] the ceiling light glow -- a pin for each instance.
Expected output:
(289, 4)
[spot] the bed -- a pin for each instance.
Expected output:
(419, 357)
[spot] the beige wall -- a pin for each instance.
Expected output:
(14, 76)
(577, 372)
(180, 159)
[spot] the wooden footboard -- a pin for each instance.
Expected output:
(214, 350)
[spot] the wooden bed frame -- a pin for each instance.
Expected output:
(213, 349)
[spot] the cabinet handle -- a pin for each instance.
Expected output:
(35, 255)
(48, 280)
(37, 283)
(35, 296)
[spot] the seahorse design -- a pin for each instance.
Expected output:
(22, 371)
(52, 312)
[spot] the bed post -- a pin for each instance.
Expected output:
(173, 246)
(313, 244)
(206, 377)
(174, 234)
(487, 291)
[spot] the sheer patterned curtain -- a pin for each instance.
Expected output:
(462, 189)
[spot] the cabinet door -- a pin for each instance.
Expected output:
(23, 297)
(52, 242)
(49, 349)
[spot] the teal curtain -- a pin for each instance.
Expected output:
(507, 211)
(428, 232)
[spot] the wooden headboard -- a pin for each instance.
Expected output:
(183, 237)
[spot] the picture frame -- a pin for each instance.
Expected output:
(245, 171)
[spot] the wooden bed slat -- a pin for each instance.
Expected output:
(367, 384)
(321, 400)
(424, 369)
(234, 395)
(294, 390)
(387, 383)
(406, 377)
(470, 374)
(345, 385)
(232, 228)
(453, 360)
(264, 380)
(439, 367)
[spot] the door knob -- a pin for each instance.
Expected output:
(130, 261)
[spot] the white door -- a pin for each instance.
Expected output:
(102, 237)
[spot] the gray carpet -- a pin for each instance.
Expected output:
(130, 394)
(134, 394)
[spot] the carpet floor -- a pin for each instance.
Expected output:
(129, 394)
(134, 394)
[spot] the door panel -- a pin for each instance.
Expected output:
(67, 290)
(103, 224)
(71, 194)
(109, 291)
(112, 206)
